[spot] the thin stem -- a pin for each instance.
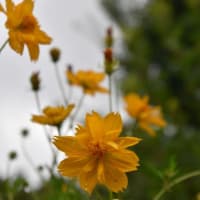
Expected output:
(37, 99)
(175, 182)
(77, 110)
(28, 158)
(4, 45)
(110, 195)
(62, 90)
(110, 92)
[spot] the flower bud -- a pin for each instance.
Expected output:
(24, 132)
(55, 54)
(12, 155)
(109, 38)
(108, 61)
(35, 81)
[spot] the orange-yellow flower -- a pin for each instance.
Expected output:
(87, 80)
(23, 28)
(53, 116)
(97, 155)
(145, 114)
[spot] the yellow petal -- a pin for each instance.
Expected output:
(112, 125)
(42, 37)
(69, 145)
(147, 128)
(88, 180)
(95, 124)
(33, 51)
(15, 42)
(9, 5)
(72, 166)
(125, 142)
(115, 180)
(123, 160)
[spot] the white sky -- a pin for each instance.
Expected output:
(77, 27)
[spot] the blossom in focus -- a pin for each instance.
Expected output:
(23, 28)
(87, 80)
(53, 116)
(97, 155)
(146, 115)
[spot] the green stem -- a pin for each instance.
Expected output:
(175, 182)
(62, 90)
(3, 45)
(37, 99)
(77, 110)
(110, 195)
(28, 158)
(110, 92)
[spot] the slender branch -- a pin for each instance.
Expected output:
(4, 45)
(62, 90)
(175, 182)
(110, 92)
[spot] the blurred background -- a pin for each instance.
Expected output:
(158, 45)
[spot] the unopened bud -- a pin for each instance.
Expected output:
(108, 61)
(35, 81)
(55, 54)
(24, 132)
(12, 155)
(109, 38)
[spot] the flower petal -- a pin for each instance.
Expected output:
(125, 142)
(95, 124)
(88, 180)
(69, 145)
(123, 160)
(115, 180)
(72, 166)
(112, 125)
(146, 127)
(33, 51)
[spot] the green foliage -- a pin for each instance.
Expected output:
(161, 59)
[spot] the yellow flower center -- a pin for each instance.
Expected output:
(28, 24)
(98, 149)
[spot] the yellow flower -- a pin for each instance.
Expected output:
(23, 28)
(145, 114)
(53, 116)
(97, 155)
(88, 80)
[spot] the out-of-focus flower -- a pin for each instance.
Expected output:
(55, 54)
(53, 116)
(23, 28)
(145, 114)
(97, 155)
(35, 81)
(87, 80)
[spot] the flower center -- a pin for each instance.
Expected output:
(28, 24)
(97, 149)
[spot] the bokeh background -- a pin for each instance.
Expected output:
(158, 45)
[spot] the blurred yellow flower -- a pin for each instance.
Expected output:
(53, 116)
(88, 80)
(97, 155)
(145, 114)
(23, 28)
